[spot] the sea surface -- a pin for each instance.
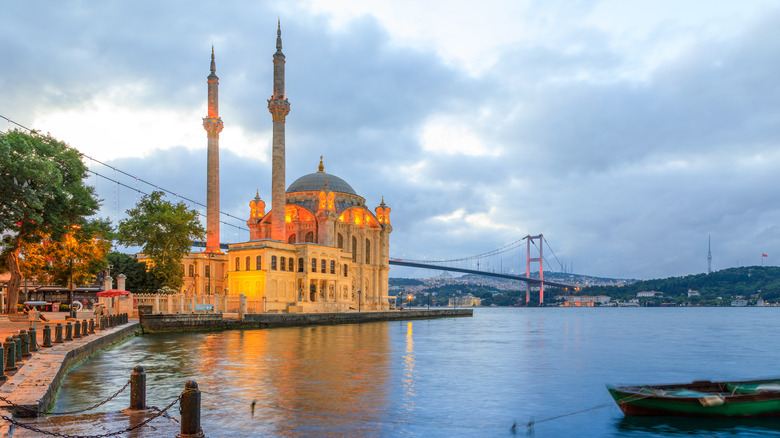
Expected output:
(453, 377)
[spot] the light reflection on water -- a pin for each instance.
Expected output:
(445, 377)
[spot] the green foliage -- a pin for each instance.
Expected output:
(137, 279)
(727, 283)
(165, 232)
(42, 185)
(404, 282)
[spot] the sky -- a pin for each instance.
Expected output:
(625, 132)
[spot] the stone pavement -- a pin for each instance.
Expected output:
(38, 378)
(99, 424)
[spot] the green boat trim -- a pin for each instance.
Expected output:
(701, 399)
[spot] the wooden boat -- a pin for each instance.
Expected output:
(755, 398)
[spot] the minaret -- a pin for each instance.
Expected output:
(213, 125)
(709, 255)
(279, 107)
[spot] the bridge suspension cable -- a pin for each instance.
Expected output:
(503, 249)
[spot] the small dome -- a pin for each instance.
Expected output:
(314, 182)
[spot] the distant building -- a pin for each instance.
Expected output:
(465, 301)
(649, 294)
(586, 300)
(693, 293)
(739, 303)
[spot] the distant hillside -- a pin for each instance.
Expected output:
(728, 283)
(404, 282)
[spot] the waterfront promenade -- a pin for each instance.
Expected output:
(33, 386)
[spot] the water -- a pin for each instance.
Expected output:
(455, 377)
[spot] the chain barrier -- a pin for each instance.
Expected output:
(36, 411)
(105, 435)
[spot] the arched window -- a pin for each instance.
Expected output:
(273, 263)
(332, 266)
(368, 251)
(309, 237)
(313, 265)
(345, 269)
(291, 239)
(238, 264)
(259, 262)
(246, 263)
(340, 241)
(323, 265)
(354, 248)
(300, 264)
(191, 270)
(283, 262)
(290, 265)
(208, 271)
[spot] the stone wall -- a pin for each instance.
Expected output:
(211, 321)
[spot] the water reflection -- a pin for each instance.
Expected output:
(324, 381)
(408, 376)
(699, 426)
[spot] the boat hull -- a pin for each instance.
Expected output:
(698, 399)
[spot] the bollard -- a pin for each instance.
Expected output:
(68, 331)
(25, 339)
(10, 358)
(33, 339)
(91, 326)
(47, 336)
(138, 389)
(18, 342)
(2, 361)
(84, 330)
(77, 329)
(103, 323)
(190, 411)
(58, 333)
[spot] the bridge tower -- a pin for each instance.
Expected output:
(528, 260)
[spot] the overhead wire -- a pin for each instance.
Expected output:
(157, 187)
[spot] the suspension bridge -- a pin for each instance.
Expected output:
(498, 263)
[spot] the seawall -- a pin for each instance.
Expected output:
(38, 379)
(160, 323)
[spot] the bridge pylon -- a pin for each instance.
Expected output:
(528, 240)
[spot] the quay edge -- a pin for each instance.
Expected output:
(162, 323)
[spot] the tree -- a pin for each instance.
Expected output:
(136, 278)
(43, 192)
(74, 259)
(165, 232)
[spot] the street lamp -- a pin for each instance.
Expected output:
(410, 300)
(71, 243)
(358, 300)
(429, 300)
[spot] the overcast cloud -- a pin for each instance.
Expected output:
(625, 132)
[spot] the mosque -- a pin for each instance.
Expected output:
(319, 248)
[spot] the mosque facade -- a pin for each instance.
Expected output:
(318, 248)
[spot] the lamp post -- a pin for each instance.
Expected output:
(429, 300)
(410, 300)
(71, 243)
(358, 300)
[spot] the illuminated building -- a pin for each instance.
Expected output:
(319, 248)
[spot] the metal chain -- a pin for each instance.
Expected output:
(65, 435)
(69, 412)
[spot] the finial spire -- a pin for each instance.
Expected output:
(213, 64)
(382, 204)
(322, 166)
(279, 37)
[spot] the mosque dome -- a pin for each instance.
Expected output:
(314, 182)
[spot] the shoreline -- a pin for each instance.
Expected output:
(194, 322)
